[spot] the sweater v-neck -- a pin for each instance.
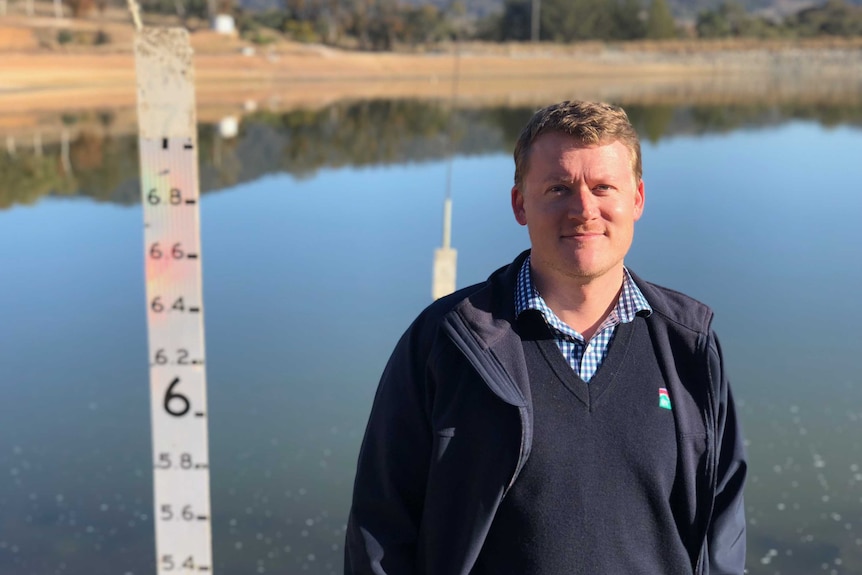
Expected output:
(604, 378)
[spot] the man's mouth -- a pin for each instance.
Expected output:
(584, 235)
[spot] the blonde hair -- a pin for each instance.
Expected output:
(591, 123)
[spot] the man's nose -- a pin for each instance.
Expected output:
(583, 205)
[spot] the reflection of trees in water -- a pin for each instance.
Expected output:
(104, 167)
(24, 179)
(651, 122)
(657, 122)
(364, 133)
(99, 165)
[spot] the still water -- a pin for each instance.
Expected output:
(318, 233)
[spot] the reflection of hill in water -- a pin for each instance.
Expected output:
(104, 167)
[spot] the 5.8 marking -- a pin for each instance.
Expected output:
(185, 462)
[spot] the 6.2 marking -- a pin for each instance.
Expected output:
(161, 357)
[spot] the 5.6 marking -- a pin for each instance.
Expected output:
(168, 513)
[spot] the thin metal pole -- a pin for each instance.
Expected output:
(64, 152)
(535, 19)
(136, 14)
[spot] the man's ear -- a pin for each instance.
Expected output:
(640, 198)
(518, 205)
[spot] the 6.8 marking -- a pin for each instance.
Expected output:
(174, 198)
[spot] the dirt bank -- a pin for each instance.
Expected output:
(38, 77)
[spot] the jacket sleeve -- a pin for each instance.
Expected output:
(389, 489)
(726, 531)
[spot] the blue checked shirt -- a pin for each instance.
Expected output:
(584, 357)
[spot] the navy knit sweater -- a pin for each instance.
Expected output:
(597, 494)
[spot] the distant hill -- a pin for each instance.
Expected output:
(682, 9)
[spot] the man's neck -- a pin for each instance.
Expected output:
(581, 303)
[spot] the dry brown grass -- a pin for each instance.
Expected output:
(40, 77)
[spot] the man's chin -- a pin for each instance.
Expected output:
(584, 271)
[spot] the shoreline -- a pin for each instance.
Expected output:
(29, 82)
(39, 84)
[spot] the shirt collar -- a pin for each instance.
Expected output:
(631, 301)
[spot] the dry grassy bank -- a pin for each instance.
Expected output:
(39, 77)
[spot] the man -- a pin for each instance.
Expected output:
(565, 416)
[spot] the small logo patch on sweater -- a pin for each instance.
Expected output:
(663, 398)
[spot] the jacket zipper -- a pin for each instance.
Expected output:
(713, 460)
(457, 324)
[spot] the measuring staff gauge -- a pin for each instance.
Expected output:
(172, 255)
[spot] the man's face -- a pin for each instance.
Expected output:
(579, 204)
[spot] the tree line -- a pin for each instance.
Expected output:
(573, 20)
(834, 18)
(391, 24)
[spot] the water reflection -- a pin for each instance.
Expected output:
(445, 258)
(99, 162)
(317, 259)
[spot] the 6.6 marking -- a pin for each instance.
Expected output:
(176, 252)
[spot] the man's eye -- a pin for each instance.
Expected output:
(602, 188)
(558, 189)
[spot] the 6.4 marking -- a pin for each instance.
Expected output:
(179, 305)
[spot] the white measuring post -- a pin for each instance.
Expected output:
(169, 186)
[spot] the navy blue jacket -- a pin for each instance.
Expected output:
(451, 428)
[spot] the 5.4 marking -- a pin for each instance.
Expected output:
(168, 564)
